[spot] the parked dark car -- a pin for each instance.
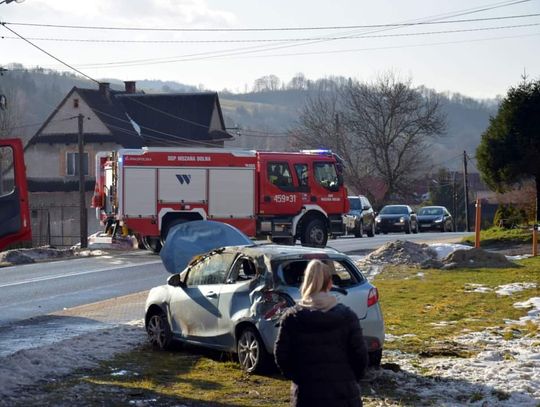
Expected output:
(361, 217)
(435, 218)
(396, 218)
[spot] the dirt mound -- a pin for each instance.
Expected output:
(421, 255)
(476, 257)
(403, 252)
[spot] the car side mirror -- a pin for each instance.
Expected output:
(176, 281)
(366, 208)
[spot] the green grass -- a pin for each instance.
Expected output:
(412, 304)
(497, 235)
(437, 307)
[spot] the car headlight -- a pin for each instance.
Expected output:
(438, 220)
(377, 219)
(402, 220)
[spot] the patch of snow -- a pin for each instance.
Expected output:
(503, 373)
(28, 366)
(509, 289)
(477, 288)
(519, 257)
(533, 315)
(444, 249)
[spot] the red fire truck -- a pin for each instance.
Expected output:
(281, 195)
(15, 228)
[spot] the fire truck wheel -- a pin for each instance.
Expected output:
(314, 234)
(152, 243)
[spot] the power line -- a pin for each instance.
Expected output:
(49, 54)
(257, 49)
(263, 40)
(313, 28)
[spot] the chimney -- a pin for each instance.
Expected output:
(105, 90)
(130, 86)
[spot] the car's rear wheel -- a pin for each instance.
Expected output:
(252, 354)
(159, 331)
(375, 358)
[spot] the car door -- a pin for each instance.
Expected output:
(195, 306)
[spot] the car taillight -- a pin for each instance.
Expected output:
(274, 304)
(373, 297)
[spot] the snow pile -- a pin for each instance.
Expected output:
(28, 366)
(26, 256)
(477, 288)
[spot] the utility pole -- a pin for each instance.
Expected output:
(454, 197)
(82, 197)
(466, 191)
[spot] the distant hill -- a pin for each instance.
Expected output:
(259, 119)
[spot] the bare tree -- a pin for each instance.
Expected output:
(394, 124)
(381, 130)
(11, 116)
(321, 126)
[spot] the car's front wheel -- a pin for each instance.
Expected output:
(159, 331)
(252, 354)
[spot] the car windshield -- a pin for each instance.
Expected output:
(355, 204)
(394, 210)
(292, 273)
(431, 211)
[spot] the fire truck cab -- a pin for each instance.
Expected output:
(15, 229)
(282, 195)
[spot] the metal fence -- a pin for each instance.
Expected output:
(55, 225)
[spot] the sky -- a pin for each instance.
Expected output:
(480, 58)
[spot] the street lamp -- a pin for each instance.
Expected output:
(11, 1)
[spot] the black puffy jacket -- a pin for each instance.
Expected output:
(324, 354)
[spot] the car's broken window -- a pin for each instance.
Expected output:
(243, 270)
(343, 276)
(210, 270)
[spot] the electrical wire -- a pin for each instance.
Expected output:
(250, 50)
(313, 28)
(49, 54)
(267, 40)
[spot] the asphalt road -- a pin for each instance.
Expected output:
(32, 290)
(45, 303)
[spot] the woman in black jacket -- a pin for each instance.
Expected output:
(320, 346)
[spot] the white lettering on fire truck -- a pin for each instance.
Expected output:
(285, 198)
(188, 158)
(330, 199)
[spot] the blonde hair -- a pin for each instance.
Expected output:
(316, 278)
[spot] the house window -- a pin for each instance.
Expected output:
(72, 164)
(76, 103)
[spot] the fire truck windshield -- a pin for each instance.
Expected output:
(326, 175)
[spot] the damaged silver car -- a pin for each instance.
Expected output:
(230, 299)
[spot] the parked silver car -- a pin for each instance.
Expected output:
(231, 299)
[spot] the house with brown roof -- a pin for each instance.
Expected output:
(112, 120)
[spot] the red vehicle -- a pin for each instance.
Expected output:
(285, 196)
(15, 226)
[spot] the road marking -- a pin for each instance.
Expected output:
(38, 279)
